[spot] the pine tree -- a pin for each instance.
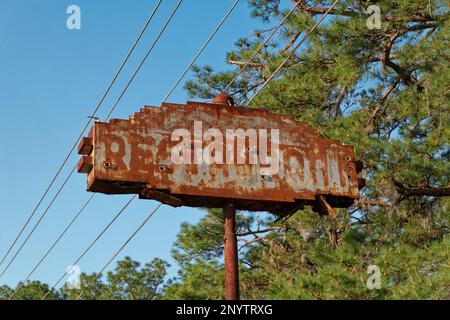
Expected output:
(384, 91)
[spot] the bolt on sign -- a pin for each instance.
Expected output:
(208, 154)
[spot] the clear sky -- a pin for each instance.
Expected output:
(50, 80)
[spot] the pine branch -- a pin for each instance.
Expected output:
(380, 104)
(249, 64)
(417, 17)
(289, 43)
(406, 192)
(340, 98)
(374, 203)
(404, 74)
(254, 232)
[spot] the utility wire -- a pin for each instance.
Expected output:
(107, 117)
(91, 117)
(52, 246)
(37, 223)
(145, 58)
(201, 50)
(92, 243)
(293, 51)
(262, 46)
(124, 245)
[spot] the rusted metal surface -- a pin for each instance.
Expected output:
(85, 146)
(230, 252)
(134, 156)
(85, 165)
(224, 99)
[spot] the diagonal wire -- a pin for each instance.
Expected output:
(262, 46)
(37, 223)
(107, 117)
(201, 50)
(293, 51)
(52, 246)
(145, 58)
(91, 117)
(92, 243)
(124, 245)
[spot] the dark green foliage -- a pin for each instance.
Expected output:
(383, 91)
(31, 290)
(128, 281)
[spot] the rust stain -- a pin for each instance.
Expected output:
(134, 156)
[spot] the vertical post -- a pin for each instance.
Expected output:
(230, 253)
(230, 240)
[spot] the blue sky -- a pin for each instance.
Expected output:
(50, 80)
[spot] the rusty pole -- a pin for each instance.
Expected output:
(230, 253)
(230, 240)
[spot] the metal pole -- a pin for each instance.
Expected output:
(230, 253)
(230, 240)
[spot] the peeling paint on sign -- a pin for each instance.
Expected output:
(135, 156)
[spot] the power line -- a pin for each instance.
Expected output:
(37, 223)
(124, 245)
(261, 46)
(201, 50)
(145, 58)
(91, 117)
(53, 245)
(93, 242)
(293, 51)
(107, 117)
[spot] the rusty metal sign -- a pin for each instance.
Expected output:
(207, 154)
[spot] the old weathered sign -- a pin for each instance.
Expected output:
(207, 154)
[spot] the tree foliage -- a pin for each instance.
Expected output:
(128, 281)
(30, 290)
(384, 91)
